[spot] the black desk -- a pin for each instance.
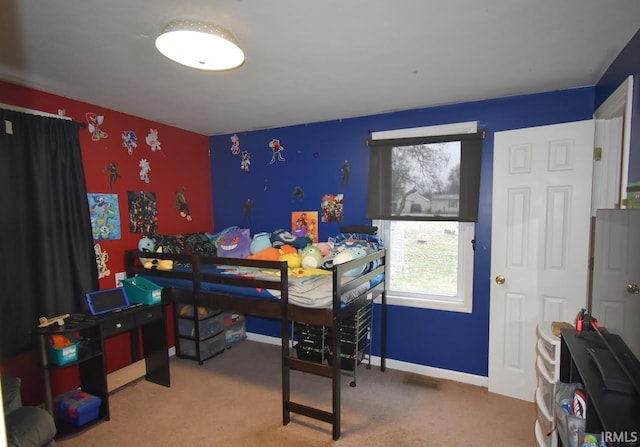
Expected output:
(92, 331)
(607, 411)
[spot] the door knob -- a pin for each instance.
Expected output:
(633, 288)
(500, 280)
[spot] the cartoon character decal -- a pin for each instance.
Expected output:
(114, 175)
(145, 167)
(152, 140)
(93, 126)
(247, 208)
(277, 149)
(246, 161)
(129, 140)
(181, 204)
(235, 144)
(297, 192)
(101, 261)
(345, 173)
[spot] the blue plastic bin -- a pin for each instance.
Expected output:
(77, 407)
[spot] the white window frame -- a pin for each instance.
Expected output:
(464, 301)
(466, 235)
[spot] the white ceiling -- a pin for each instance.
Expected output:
(310, 61)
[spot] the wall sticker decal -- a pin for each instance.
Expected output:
(297, 193)
(93, 126)
(247, 209)
(129, 140)
(277, 149)
(235, 144)
(246, 161)
(345, 173)
(145, 167)
(112, 169)
(101, 261)
(181, 204)
(152, 140)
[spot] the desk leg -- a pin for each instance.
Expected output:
(45, 370)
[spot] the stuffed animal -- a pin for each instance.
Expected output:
(281, 237)
(267, 254)
(349, 254)
(324, 247)
(311, 257)
(235, 243)
(294, 260)
(159, 264)
(259, 242)
(148, 246)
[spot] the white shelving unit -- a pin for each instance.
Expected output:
(548, 373)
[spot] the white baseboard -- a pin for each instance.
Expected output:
(414, 368)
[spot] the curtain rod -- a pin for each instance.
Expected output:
(33, 111)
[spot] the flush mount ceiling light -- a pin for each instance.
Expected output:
(200, 45)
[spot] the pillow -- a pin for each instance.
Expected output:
(349, 254)
(234, 243)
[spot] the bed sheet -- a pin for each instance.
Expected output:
(312, 288)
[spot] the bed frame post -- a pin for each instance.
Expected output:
(286, 351)
(336, 352)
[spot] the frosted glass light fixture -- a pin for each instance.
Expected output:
(200, 45)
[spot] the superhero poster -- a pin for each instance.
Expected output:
(305, 223)
(333, 208)
(143, 212)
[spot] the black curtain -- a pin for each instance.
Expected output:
(47, 260)
(380, 196)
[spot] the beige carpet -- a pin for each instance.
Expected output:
(234, 399)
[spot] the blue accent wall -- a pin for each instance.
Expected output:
(314, 154)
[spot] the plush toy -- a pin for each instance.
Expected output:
(349, 254)
(311, 257)
(324, 248)
(148, 246)
(235, 244)
(159, 264)
(294, 260)
(267, 254)
(281, 237)
(259, 242)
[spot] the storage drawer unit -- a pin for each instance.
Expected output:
(548, 374)
(200, 334)
(202, 350)
(206, 328)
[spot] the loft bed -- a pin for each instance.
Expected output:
(267, 288)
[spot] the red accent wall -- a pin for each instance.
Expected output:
(183, 160)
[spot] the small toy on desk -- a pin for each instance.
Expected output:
(44, 321)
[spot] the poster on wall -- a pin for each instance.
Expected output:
(305, 223)
(143, 212)
(333, 208)
(105, 216)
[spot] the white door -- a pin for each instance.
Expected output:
(540, 243)
(616, 274)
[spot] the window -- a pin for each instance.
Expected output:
(430, 263)
(423, 196)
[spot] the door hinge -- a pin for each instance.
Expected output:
(597, 153)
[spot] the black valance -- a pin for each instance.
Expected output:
(425, 178)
